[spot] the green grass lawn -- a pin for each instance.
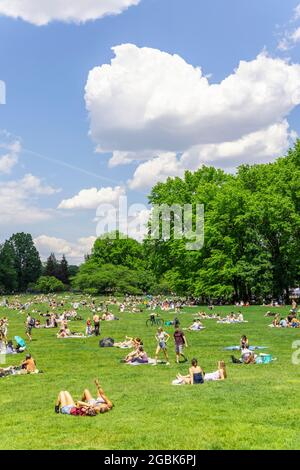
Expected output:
(256, 408)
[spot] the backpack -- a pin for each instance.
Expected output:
(106, 343)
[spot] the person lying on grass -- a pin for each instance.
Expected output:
(162, 338)
(219, 374)
(207, 316)
(88, 406)
(101, 404)
(129, 343)
(66, 333)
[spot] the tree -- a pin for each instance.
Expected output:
(49, 284)
(113, 249)
(27, 260)
(63, 271)
(52, 268)
(8, 272)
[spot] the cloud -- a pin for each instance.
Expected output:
(150, 101)
(42, 12)
(154, 109)
(297, 12)
(159, 168)
(9, 152)
(74, 252)
(18, 200)
(92, 198)
(290, 38)
(263, 145)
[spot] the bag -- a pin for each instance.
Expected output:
(107, 343)
(264, 359)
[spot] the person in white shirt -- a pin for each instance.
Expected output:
(162, 338)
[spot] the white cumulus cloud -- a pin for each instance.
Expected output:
(92, 198)
(9, 152)
(155, 109)
(74, 252)
(263, 145)
(18, 200)
(150, 100)
(42, 12)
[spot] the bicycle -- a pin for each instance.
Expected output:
(155, 320)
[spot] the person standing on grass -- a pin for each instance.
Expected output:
(29, 325)
(162, 338)
(88, 330)
(180, 343)
(96, 319)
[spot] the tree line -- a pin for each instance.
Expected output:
(252, 239)
(251, 249)
(21, 268)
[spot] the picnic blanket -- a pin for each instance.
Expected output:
(75, 337)
(150, 361)
(252, 348)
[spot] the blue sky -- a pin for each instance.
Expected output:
(45, 69)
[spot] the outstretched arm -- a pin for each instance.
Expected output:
(101, 394)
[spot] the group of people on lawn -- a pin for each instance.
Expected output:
(89, 406)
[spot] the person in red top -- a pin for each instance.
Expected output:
(180, 343)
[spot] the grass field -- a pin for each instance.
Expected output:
(256, 408)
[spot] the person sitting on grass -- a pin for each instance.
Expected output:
(247, 357)
(196, 326)
(101, 404)
(29, 365)
(195, 376)
(220, 374)
(139, 356)
(244, 342)
(162, 338)
(108, 317)
(64, 333)
(180, 343)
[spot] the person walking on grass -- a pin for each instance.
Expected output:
(29, 325)
(162, 338)
(180, 343)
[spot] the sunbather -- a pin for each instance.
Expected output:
(220, 374)
(101, 404)
(195, 376)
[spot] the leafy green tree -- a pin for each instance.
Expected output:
(114, 249)
(52, 267)
(49, 284)
(8, 272)
(63, 271)
(27, 260)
